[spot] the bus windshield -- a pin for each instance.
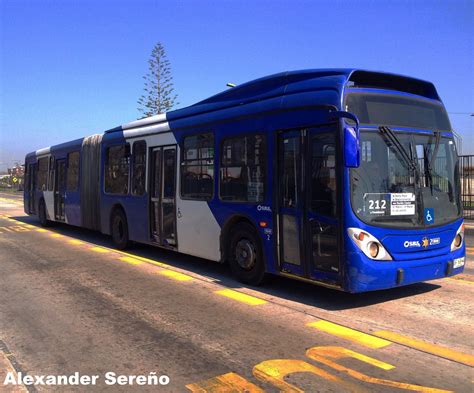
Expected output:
(388, 190)
(392, 110)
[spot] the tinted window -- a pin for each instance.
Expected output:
(73, 171)
(290, 178)
(242, 176)
(42, 175)
(169, 173)
(323, 174)
(397, 111)
(139, 168)
(197, 167)
(386, 192)
(117, 163)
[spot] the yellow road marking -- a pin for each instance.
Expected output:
(99, 249)
(241, 297)
(175, 275)
(75, 241)
(41, 230)
(130, 260)
(274, 372)
(229, 382)
(20, 228)
(22, 223)
(461, 280)
(151, 261)
(437, 350)
(465, 277)
(349, 334)
(56, 235)
(324, 354)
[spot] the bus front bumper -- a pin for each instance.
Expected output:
(364, 274)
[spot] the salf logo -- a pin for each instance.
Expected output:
(411, 243)
(425, 242)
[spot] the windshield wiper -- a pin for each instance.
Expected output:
(393, 139)
(436, 148)
(433, 159)
(426, 165)
(408, 157)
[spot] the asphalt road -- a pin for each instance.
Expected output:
(70, 303)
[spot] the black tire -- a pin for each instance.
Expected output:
(245, 254)
(43, 218)
(119, 229)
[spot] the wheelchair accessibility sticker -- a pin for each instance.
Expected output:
(429, 215)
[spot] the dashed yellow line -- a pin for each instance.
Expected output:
(230, 382)
(466, 278)
(130, 260)
(76, 241)
(175, 275)
(143, 259)
(102, 250)
(383, 338)
(241, 297)
(434, 349)
(56, 235)
(41, 230)
(349, 334)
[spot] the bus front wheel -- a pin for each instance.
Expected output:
(245, 254)
(119, 229)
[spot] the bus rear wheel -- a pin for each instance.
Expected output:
(245, 254)
(119, 229)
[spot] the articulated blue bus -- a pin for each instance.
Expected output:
(345, 178)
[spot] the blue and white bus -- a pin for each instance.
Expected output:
(345, 178)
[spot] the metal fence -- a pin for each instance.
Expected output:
(466, 170)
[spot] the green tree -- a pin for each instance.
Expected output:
(158, 95)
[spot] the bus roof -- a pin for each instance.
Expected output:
(323, 82)
(294, 82)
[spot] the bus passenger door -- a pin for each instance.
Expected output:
(59, 190)
(307, 204)
(163, 196)
(31, 188)
(322, 206)
(290, 202)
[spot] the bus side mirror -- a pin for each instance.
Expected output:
(351, 138)
(351, 147)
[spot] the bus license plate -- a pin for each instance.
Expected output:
(458, 262)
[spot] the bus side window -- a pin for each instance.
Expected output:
(242, 174)
(72, 171)
(42, 175)
(138, 167)
(117, 166)
(197, 167)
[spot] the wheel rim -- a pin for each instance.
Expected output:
(245, 254)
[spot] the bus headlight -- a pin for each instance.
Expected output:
(373, 248)
(458, 239)
(369, 244)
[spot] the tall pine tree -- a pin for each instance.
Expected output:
(158, 96)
